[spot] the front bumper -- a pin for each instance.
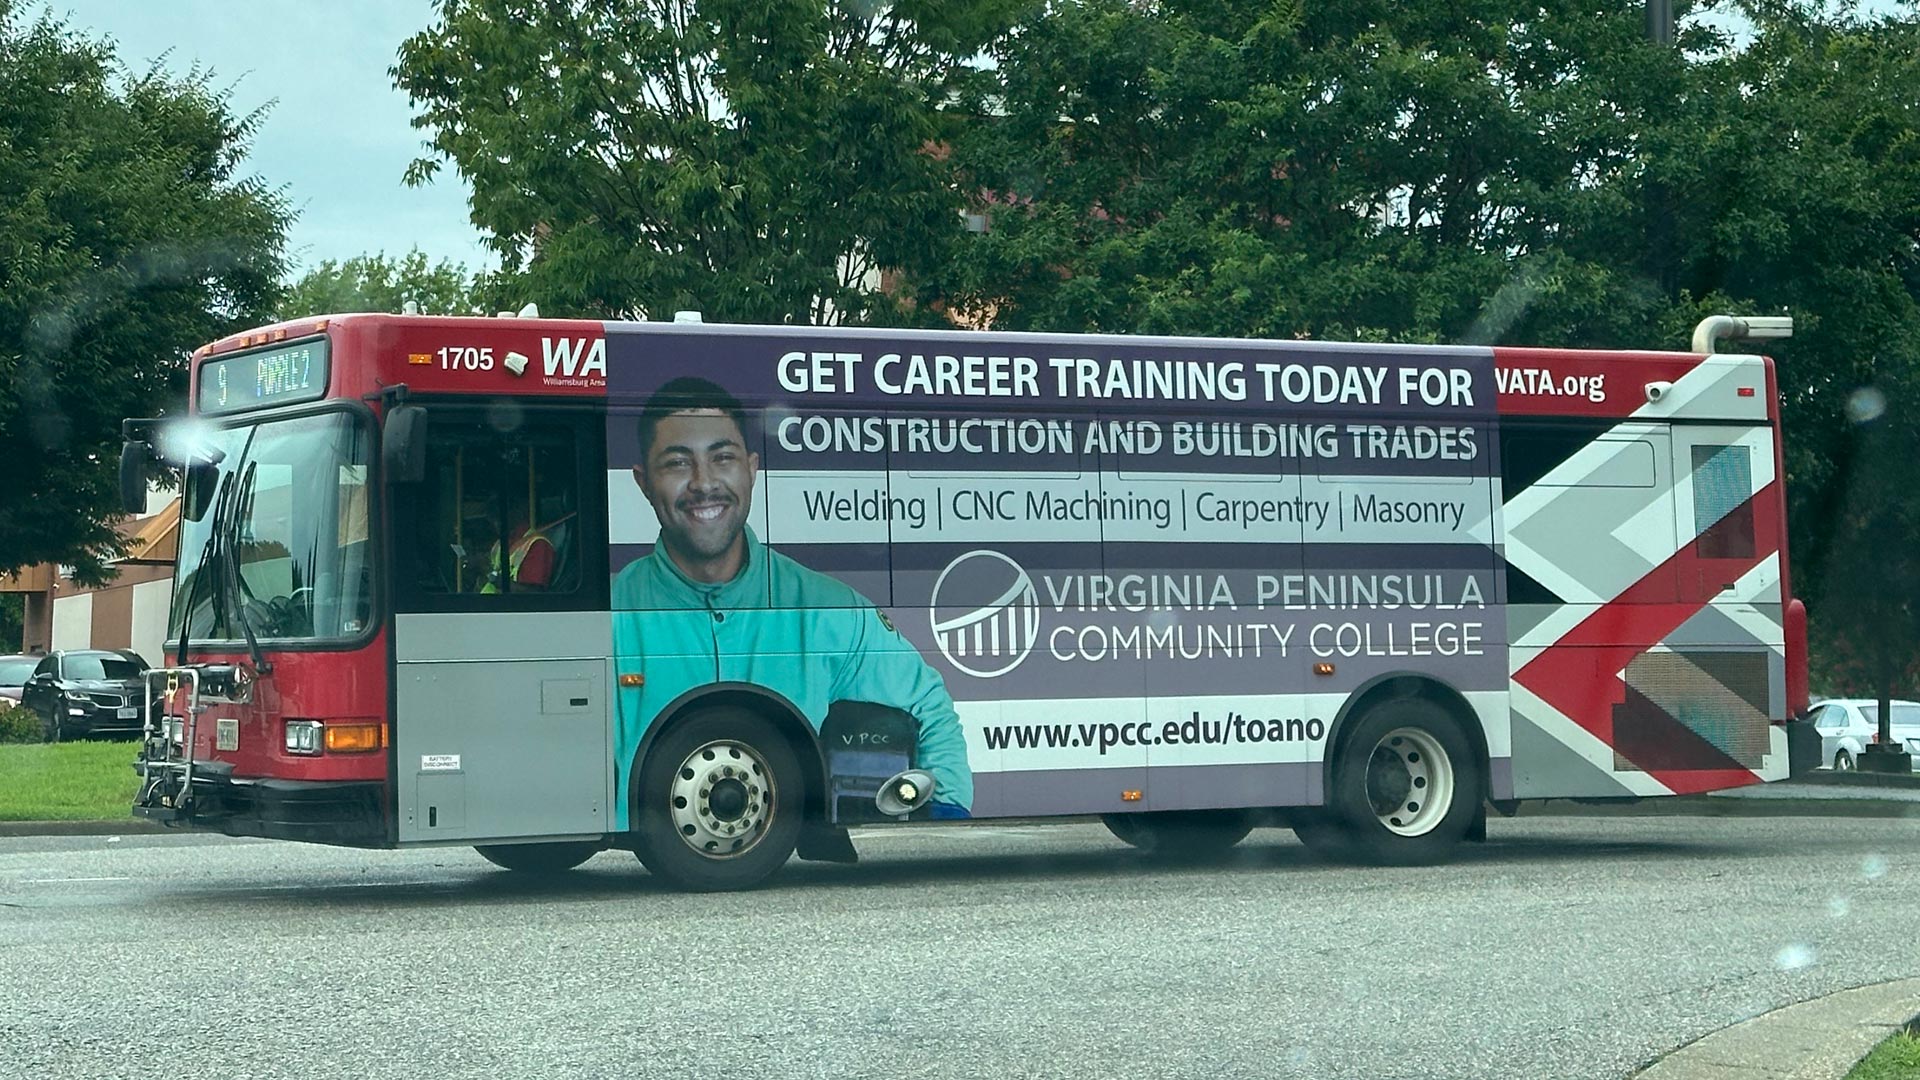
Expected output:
(347, 813)
(79, 718)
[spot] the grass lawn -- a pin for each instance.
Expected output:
(1896, 1059)
(77, 781)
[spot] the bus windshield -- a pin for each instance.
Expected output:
(301, 538)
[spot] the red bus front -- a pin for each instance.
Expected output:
(279, 654)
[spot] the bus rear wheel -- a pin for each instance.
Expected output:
(1191, 833)
(717, 803)
(1405, 788)
(554, 858)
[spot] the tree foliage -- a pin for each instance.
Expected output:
(755, 159)
(377, 283)
(127, 237)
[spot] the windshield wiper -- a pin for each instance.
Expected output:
(242, 510)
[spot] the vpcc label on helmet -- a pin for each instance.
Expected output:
(439, 762)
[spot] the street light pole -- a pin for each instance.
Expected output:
(1660, 21)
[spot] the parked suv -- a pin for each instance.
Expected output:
(87, 692)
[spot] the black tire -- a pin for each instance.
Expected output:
(1181, 833)
(1371, 783)
(50, 727)
(554, 858)
(696, 863)
(1842, 761)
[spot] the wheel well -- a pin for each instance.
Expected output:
(1393, 687)
(775, 709)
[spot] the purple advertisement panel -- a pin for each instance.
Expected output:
(992, 558)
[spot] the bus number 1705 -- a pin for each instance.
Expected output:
(465, 358)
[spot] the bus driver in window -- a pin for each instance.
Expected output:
(712, 603)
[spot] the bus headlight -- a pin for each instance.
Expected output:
(303, 737)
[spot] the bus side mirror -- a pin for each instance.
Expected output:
(133, 476)
(202, 480)
(404, 444)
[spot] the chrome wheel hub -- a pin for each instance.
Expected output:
(1410, 782)
(721, 799)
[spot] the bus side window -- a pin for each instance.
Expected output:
(500, 512)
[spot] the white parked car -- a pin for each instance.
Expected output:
(1847, 725)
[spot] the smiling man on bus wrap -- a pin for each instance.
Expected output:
(711, 603)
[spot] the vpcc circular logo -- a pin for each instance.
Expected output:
(985, 613)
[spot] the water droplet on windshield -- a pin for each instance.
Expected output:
(1794, 957)
(1866, 404)
(1873, 867)
(1840, 907)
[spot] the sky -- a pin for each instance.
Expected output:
(336, 136)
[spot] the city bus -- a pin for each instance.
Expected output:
(717, 594)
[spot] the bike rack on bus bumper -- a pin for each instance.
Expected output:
(166, 768)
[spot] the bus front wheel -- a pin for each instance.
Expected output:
(1195, 833)
(554, 858)
(1404, 789)
(718, 802)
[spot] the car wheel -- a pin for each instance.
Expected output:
(1181, 833)
(556, 858)
(1405, 788)
(50, 727)
(1842, 761)
(718, 801)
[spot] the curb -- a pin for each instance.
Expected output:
(116, 827)
(1828, 778)
(1821, 1039)
(1723, 806)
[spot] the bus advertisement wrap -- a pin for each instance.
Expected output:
(1105, 581)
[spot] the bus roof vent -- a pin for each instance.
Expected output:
(687, 316)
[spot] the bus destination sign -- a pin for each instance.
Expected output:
(258, 380)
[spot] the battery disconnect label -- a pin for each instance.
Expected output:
(439, 762)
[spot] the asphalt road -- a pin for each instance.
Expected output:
(1565, 947)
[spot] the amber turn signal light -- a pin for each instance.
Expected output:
(355, 738)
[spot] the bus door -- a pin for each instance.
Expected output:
(501, 638)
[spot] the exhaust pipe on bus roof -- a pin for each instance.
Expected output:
(1717, 328)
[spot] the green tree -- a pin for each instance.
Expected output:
(1413, 171)
(377, 283)
(755, 159)
(127, 237)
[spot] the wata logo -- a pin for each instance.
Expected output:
(985, 613)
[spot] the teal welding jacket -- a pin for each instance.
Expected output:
(799, 633)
